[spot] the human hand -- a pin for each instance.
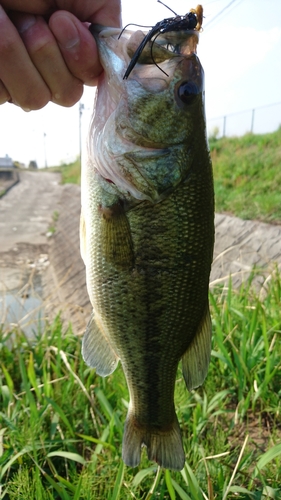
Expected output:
(42, 62)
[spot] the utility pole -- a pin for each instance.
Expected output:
(224, 126)
(45, 151)
(252, 120)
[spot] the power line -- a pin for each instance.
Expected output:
(212, 1)
(221, 12)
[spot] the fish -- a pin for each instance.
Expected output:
(147, 231)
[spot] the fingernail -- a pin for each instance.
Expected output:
(68, 36)
(24, 22)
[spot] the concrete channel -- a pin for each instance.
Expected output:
(40, 264)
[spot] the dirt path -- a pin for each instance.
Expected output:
(26, 210)
(41, 275)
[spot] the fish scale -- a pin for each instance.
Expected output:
(148, 249)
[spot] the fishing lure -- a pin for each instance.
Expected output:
(190, 21)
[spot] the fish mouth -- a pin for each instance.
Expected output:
(117, 47)
(155, 67)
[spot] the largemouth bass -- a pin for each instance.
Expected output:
(147, 231)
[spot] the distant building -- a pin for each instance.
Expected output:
(33, 165)
(6, 162)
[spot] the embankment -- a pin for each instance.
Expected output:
(65, 288)
(8, 178)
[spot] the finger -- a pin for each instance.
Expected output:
(45, 54)
(77, 45)
(4, 94)
(103, 12)
(42, 7)
(107, 13)
(17, 73)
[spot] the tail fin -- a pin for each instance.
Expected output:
(163, 446)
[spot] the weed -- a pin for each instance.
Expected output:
(247, 175)
(61, 426)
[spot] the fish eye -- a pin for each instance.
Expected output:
(175, 49)
(187, 91)
(170, 47)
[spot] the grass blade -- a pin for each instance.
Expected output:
(59, 489)
(25, 450)
(170, 485)
(236, 467)
(97, 441)
(32, 376)
(142, 474)
(118, 482)
(67, 454)
(59, 411)
(182, 494)
(274, 452)
(192, 482)
(155, 484)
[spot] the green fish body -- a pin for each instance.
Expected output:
(147, 233)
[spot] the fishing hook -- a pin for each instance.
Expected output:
(190, 21)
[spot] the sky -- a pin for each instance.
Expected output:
(239, 48)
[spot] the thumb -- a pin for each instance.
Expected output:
(77, 46)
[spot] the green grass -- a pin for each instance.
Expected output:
(61, 426)
(70, 172)
(247, 175)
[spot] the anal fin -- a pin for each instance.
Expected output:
(196, 359)
(97, 351)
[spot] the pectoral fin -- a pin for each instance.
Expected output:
(116, 239)
(97, 351)
(196, 359)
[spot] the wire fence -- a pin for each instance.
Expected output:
(259, 120)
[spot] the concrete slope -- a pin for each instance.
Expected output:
(25, 251)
